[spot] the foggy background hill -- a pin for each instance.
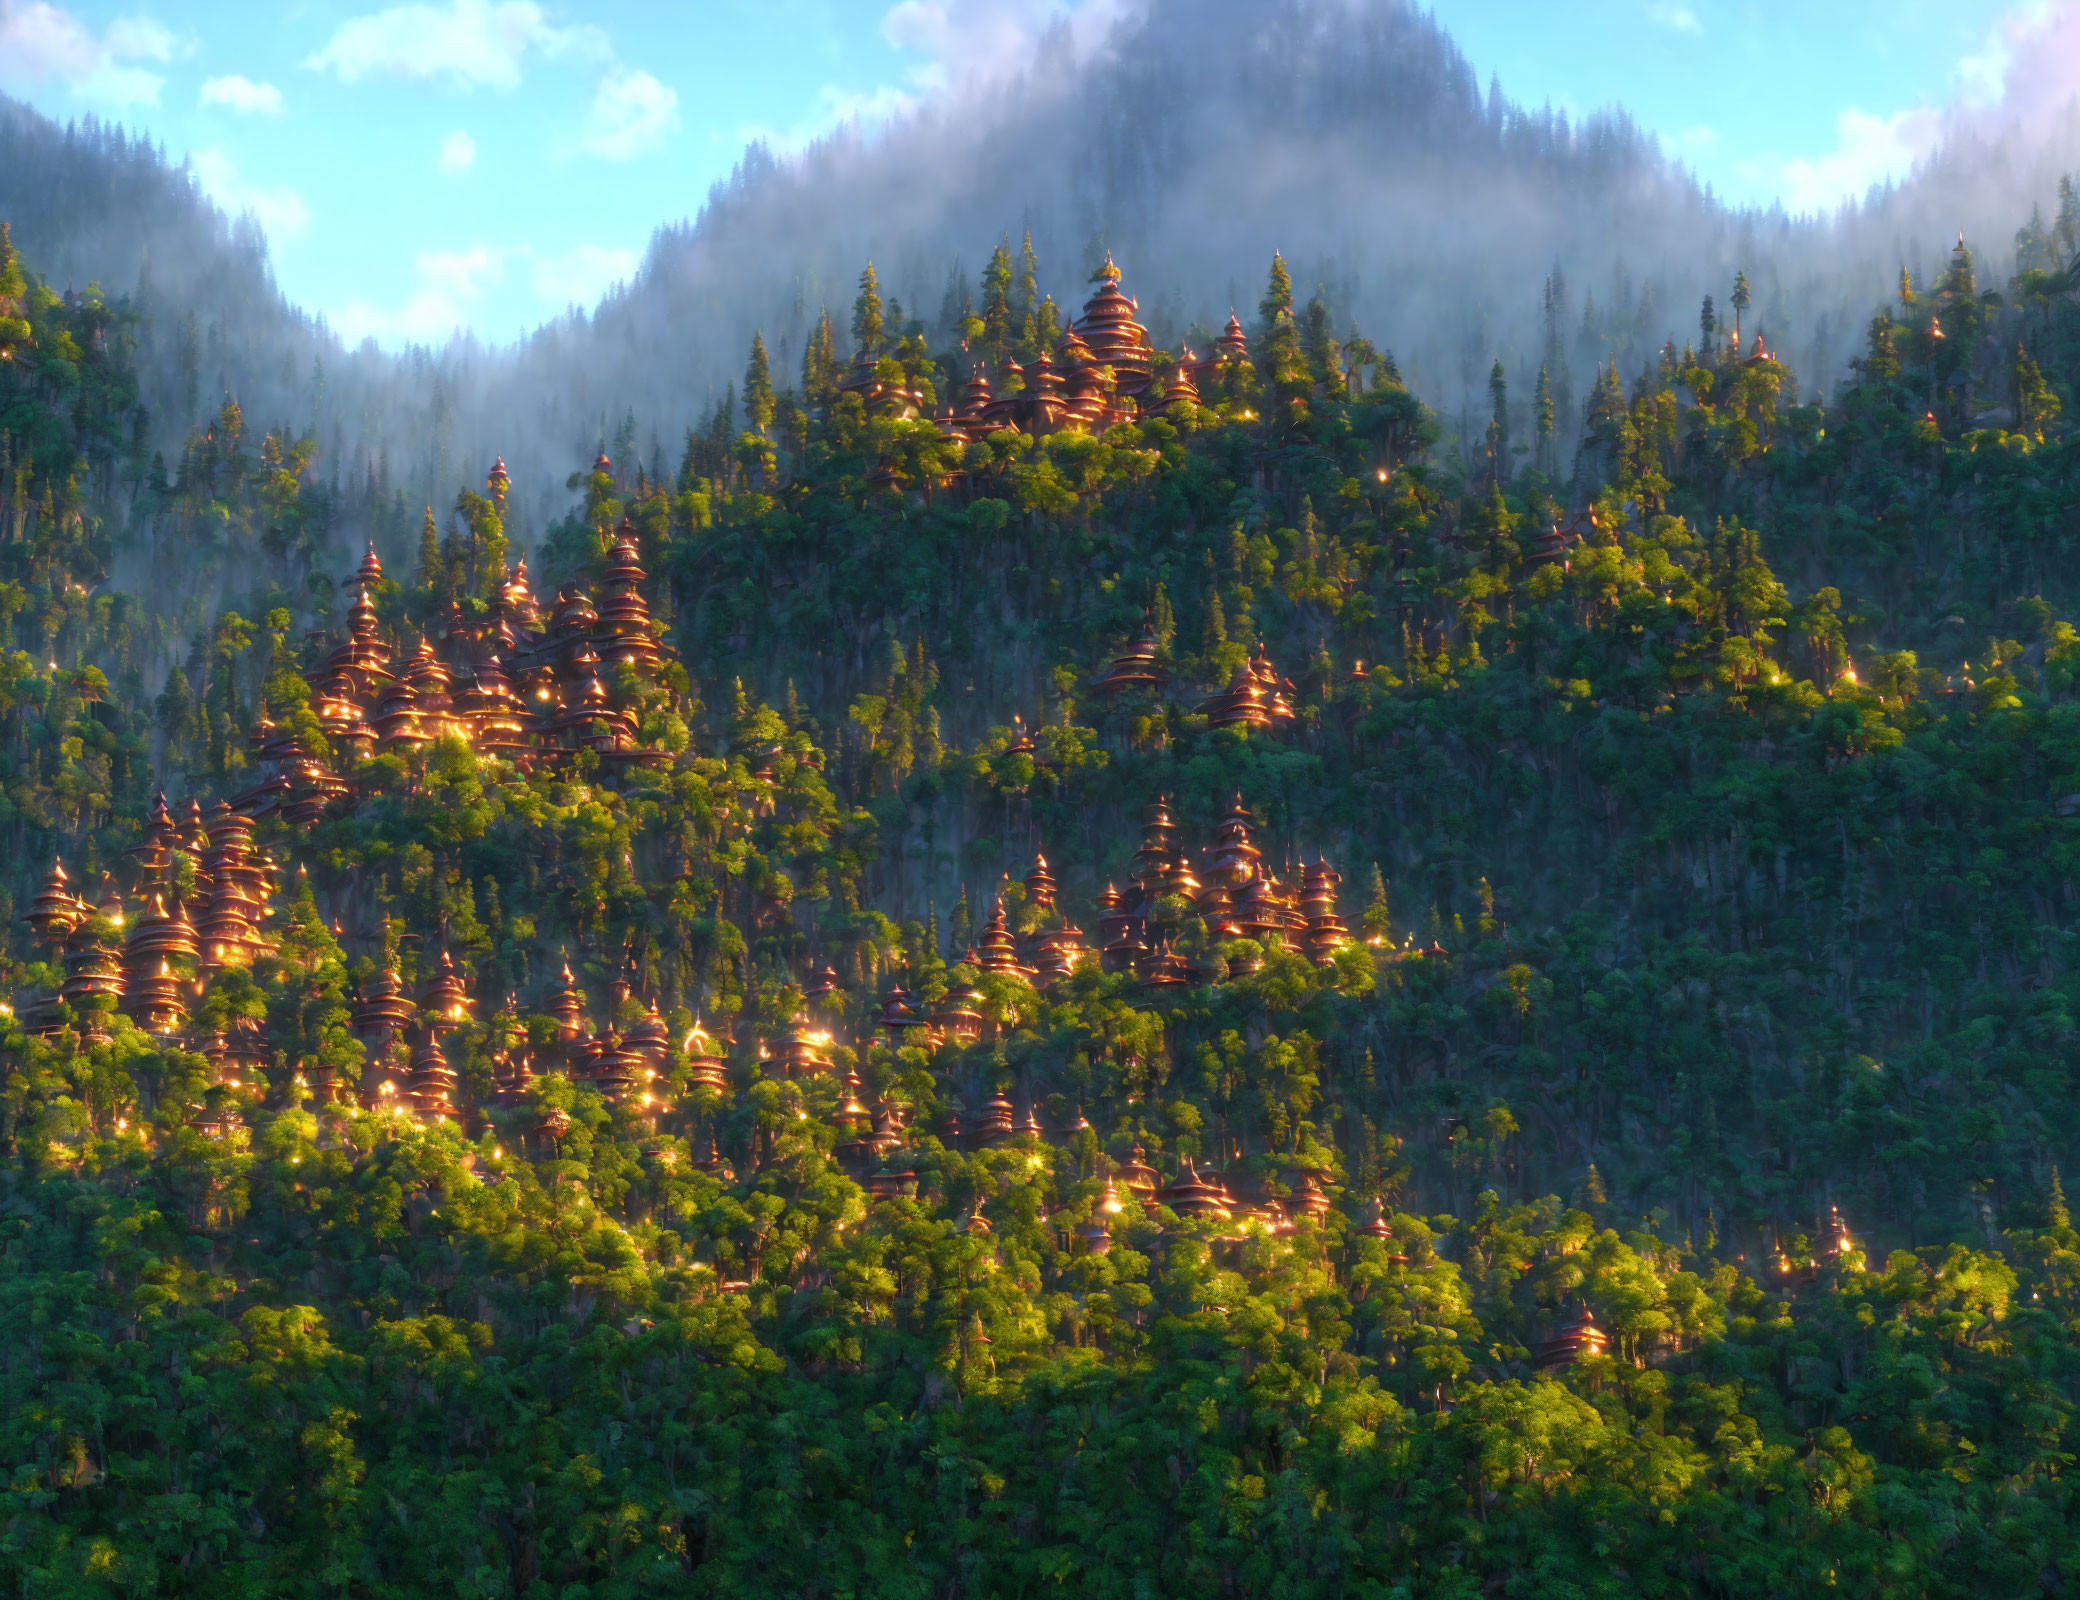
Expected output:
(1191, 138)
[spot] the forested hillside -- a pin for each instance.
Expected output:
(105, 213)
(1455, 224)
(1055, 959)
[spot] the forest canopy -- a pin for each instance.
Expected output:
(1055, 961)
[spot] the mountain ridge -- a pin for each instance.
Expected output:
(1187, 134)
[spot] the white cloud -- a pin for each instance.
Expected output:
(2022, 76)
(41, 43)
(471, 44)
(1869, 149)
(451, 282)
(963, 46)
(2029, 65)
(451, 286)
(142, 39)
(837, 107)
(1700, 140)
(279, 209)
(458, 153)
(1677, 15)
(579, 277)
(242, 95)
(969, 43)
(631, 113)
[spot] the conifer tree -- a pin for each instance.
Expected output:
(1498, 423)
(1278, 294)
(13, 285)
(1906, 287)
(431, 567)
(2065, 232)
(2036, 402)
(14, 328)
(1881, 356)
(758, 388)
(1376, 922)
(1046, 322)
(1542, 405)
(1025, 288)
(1604, 419)
(1743, 297)
(2055, 1212)
(174, 709)
(791, 421)
(1707, 324)
(1278, 352)
(1160, 615)
(2034, 251)
(866, 313)
(1960, 282)
(1324, 360)
(998, 321)
(820, 361)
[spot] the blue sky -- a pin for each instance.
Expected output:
(483, 164)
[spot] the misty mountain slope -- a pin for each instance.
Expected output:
(1354, 137)
(1194, 140)
(91, 204)
(1203, 137)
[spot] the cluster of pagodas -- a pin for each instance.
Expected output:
(1102, 372)
(144, 964)
(1188, 1194)
(408, 1069)
(1042, 957)
(1231, 893)
(513, 685)
(149, 964)
(1256, 697)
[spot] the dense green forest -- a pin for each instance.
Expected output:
(1052, 966)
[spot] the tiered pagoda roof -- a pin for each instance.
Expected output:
(1135, 667)
(56, 910)
(1230, 892)
(1576, 1339)
(881, 396)
(1115, 339)
(1256, 697)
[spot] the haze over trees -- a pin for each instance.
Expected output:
(1193, 138)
